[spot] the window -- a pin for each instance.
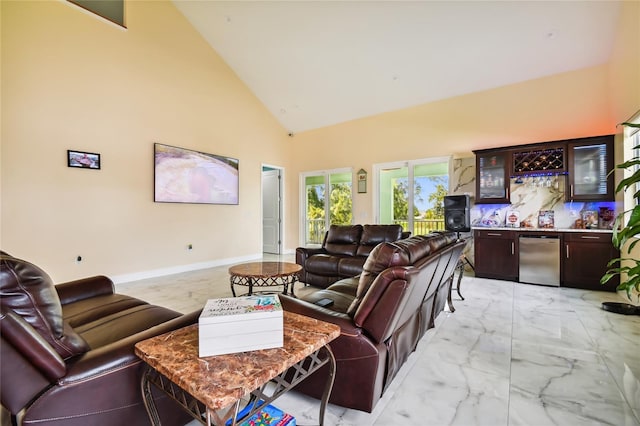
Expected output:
(631, 150)
(411, 194)
(328, 199)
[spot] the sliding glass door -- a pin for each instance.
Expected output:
(328, 199)
(412, 194)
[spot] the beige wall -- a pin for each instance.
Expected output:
(624, 77)
(581, 103)
(624, 73)
(72, 80)
(573, 104)
(624, 82)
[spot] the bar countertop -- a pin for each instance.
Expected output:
(504, 228)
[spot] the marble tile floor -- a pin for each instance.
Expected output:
(511, 354)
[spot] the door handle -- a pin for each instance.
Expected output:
(567, 250)
(494, 234)
(589, 237)
(513, 248)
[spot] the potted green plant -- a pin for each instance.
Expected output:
(626, 226)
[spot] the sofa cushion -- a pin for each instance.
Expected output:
(416, 247)
(341, 301)
(439, 239)
(351, 266)
(122, 324)
(320, 280)
(343, 239)
(29, 292)
(348, 286)
(372, 235)
(383, 256)
(90, 309)
(323, 264)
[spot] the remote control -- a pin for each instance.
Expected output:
(324, 302)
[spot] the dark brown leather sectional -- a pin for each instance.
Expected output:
(344, 250)
(67, 350)
(382, 314)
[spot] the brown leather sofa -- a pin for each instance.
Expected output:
(382, 314)
(344, 250)
(67, 350)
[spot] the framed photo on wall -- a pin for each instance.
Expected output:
(84, 160)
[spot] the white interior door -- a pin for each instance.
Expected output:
(271, 211)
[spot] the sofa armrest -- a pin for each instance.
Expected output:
(29, 363)
(31, 345)
(299, 306)
(118, 354)
(85, 288)
(303, 253)
(383, 302)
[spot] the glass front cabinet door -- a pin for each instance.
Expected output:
(590, 161)
(492, 177)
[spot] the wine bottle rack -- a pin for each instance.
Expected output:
(549, 160)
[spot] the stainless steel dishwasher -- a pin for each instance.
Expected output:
(539, 259)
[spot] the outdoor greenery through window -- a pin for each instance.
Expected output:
(412, 194)
(328, 201)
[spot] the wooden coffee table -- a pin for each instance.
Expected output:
(264, 274)
(212, 388)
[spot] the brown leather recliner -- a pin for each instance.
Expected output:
(344, 250)
(382, 315)
(68, 350)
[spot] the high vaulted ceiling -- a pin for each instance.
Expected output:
(318, 63)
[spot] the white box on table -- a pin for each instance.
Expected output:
(238, 324)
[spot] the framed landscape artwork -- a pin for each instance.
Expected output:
(186, 176)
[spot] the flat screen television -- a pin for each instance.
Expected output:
(186, 176)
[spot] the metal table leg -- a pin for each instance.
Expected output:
(460, 270)
(147, 397)
(328, 387)
(281, 384)
(289, 281)
(233, 290)
(460, 273)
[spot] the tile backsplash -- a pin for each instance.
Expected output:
(533, 194)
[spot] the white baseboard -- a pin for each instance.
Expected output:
(125, 278)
